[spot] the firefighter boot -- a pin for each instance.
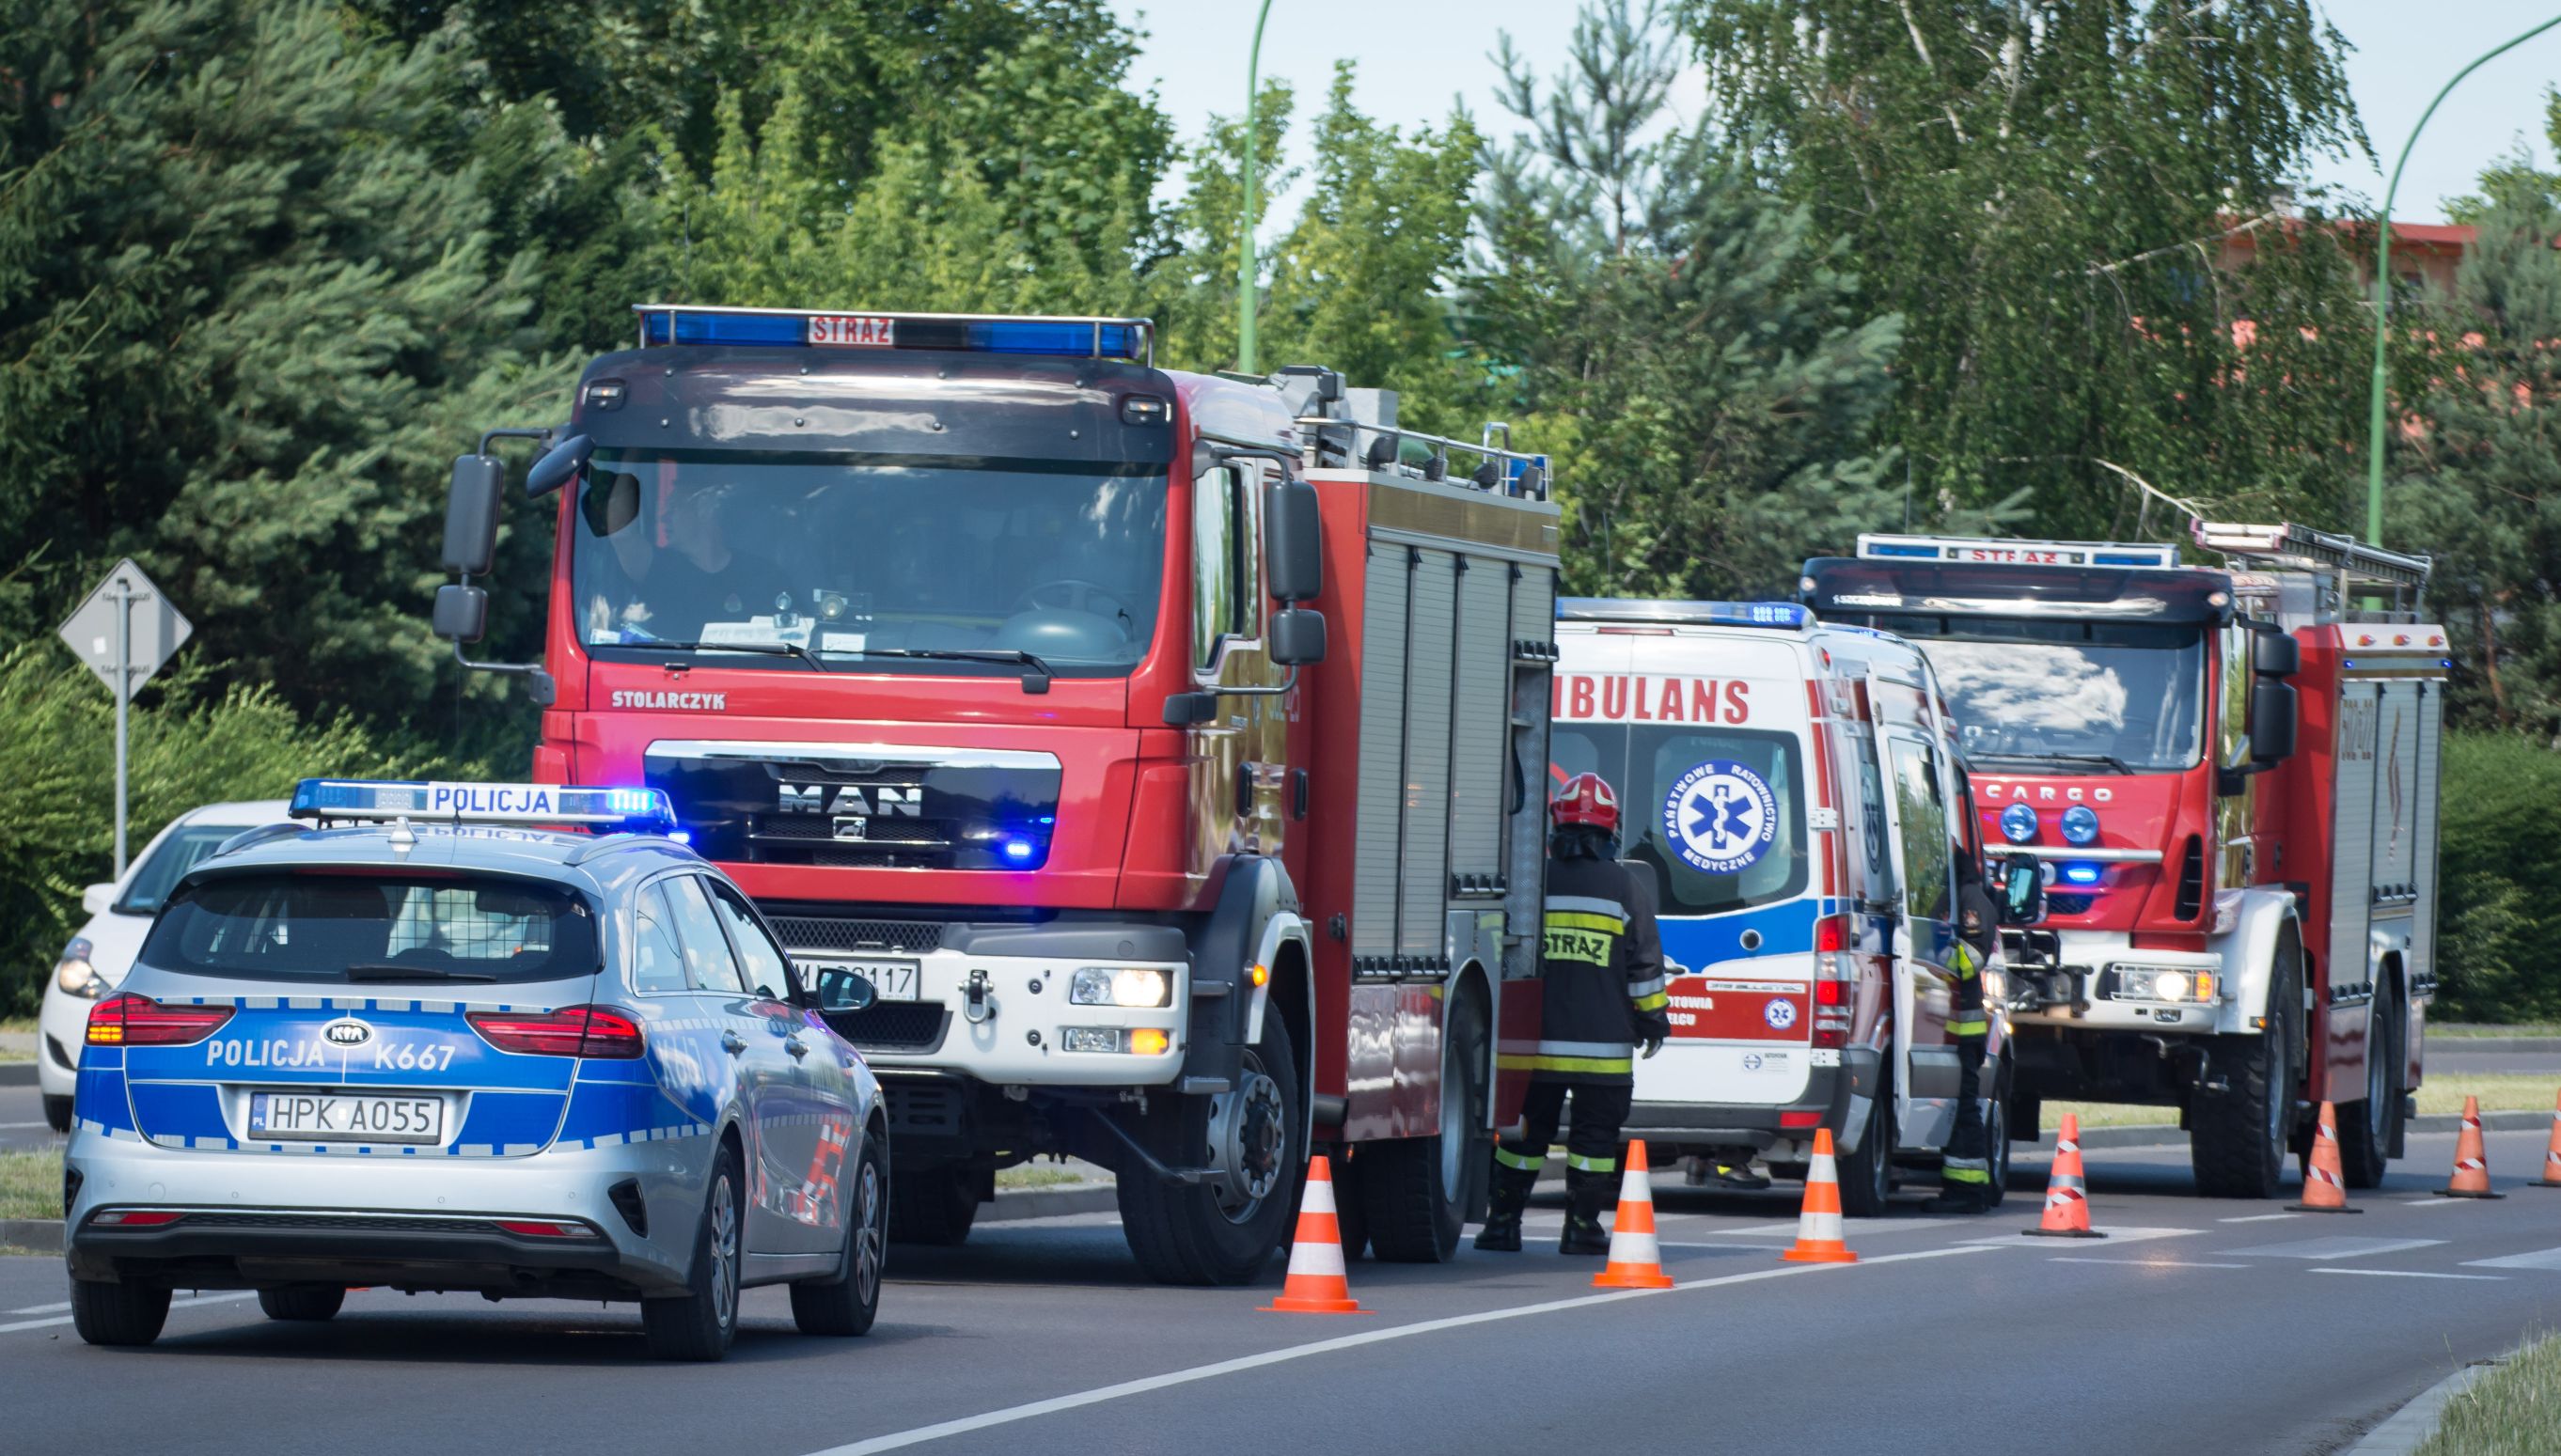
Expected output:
(1586, 1194)
(1502, 1232)
(1961, 1198)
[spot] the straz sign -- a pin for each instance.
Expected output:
(2031, 556)
(852, 331)
(1626, 697)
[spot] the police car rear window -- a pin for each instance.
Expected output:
(374, 929)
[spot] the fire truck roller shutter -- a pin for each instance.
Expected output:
(1256, 915)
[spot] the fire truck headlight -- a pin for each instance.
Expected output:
(2019, 824)
(2175, 984)
(2081, 824)
(1119, 986)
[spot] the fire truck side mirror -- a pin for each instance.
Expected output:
(471, 514)
(2022, 891)
(1294, 544)
(2276, 655)
(557, 464)
(2272, 722)
(1298, 637)
(461, 613)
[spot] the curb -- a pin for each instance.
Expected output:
(1049, 1203)
(44, 1235)
(2407, 1430)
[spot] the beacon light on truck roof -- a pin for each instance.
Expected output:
(1786, 615)
(2017, 552)
(639, 811)
(853, 330)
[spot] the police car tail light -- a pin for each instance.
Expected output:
(545, 1228)
(134, 1020)
(604, 1031)
(138, 1217)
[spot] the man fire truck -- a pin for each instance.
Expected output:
(993, 663)
(2230, 779)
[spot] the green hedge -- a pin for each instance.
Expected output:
(57, 787)
(2500, 925)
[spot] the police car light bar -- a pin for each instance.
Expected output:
(972, 333)
(1986, 550)
(640, 811)
(1786, 615)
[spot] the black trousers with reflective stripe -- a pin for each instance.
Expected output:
(1966, 1140)
(1599, 1113)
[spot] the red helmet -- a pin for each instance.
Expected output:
(1586, 798)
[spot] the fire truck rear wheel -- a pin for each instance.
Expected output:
(1211, 1232)
(2239, 1139)
(932, 1205)
(1416, 1190)
(1867, 1175)
(2367, 1128)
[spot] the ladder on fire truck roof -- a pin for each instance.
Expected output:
(1335, 418)
(2287, 547)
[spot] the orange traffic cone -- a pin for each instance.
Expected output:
(2472, 1160)
(1635, 1257)
(1818, 1226)
(2324, 1191)
(1315, 1285)
(2067, 1195)
(2552, 1151)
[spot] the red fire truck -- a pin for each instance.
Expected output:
(2229, 779)
(993, 662)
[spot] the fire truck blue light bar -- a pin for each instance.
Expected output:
(378, 800)
(1061, 338)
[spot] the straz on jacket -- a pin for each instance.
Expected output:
(1602, 979)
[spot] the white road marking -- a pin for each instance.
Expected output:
(2258, 1219)
(900, 1440)
(2144, 1263)
(2116, 1233)
(2408, 1274)
(2342, 1248)
(13, 1126)
(43, 1309)
(1849, 1225)
(1758, 1248)
(173, 1304)
(2543, 1258)
(2436, 1202)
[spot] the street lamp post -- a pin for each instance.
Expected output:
(1245, 298)
(2383, 288)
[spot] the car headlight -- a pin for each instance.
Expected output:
(76, 976)
(2081, 824)
(1119, 986)
(2019, 824)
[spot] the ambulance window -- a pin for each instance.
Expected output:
(1923, 809)
(709, 966)
(657, 965)
(1877, 860)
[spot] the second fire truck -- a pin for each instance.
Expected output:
(2229, 779)
(1143, 765)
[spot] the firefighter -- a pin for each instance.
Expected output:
(1964, 1167)
(1602, 995)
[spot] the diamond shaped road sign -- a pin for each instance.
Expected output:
(157, 629)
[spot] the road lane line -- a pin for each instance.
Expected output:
(2147, 1263)
(173, 1304)
(900, 1440)
(2258, 1219)
(2121, 1235)
(2433, 1201)
(2411, 1274)
(1849, 1225)
(2546, 1258)
(2342, 1248)
(42, 1309)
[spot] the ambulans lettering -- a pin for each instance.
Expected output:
(1621, 697)
(686, 702)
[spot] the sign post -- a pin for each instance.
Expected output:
(126, 631)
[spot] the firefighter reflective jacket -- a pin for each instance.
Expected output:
(1975, 937)
(1602, 976)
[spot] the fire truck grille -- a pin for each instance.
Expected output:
(830, 932)
(822, 829)
(893, 1026)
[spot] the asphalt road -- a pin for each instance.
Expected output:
(21, 1121)
(2200, 1326)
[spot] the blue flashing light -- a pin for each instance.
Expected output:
(681, 836)
(2081, 825)
(642, 811)
(856, 332)
(1020, 851)
(2080, 874)
(2019, 824)
(1904, 549)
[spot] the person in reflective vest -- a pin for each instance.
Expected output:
(1965, 1166)
(1601, 996)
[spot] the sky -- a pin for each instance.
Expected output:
(1416, 56)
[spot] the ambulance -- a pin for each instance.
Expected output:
(1793, 792)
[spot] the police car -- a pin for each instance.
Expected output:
(431, 1042)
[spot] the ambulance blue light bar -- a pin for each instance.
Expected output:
(1784, 615)
(856, 332)
(639, 811)
(1990, 551)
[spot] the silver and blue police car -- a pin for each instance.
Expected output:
(421, 1044)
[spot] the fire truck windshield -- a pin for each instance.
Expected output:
(836, 556)
(2105, 695)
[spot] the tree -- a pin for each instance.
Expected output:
(2044, 189)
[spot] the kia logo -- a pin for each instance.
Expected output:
(347, 1032)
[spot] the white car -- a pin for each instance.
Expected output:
(95, 960)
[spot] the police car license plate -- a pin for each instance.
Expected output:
(366, 1118)
(892, 980)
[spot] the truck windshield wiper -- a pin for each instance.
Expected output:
(378, 971)
(770, 649)
(975, 654)
(2110, 760)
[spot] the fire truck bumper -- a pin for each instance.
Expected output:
(1081, 1010)
(2112, 986)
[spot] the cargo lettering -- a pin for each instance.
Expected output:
(1621, 697)
(2046, 793)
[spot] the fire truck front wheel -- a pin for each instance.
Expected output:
(1254, 1140)
(2239, 1138)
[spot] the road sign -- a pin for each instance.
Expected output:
(157, 629)
(126, 631)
